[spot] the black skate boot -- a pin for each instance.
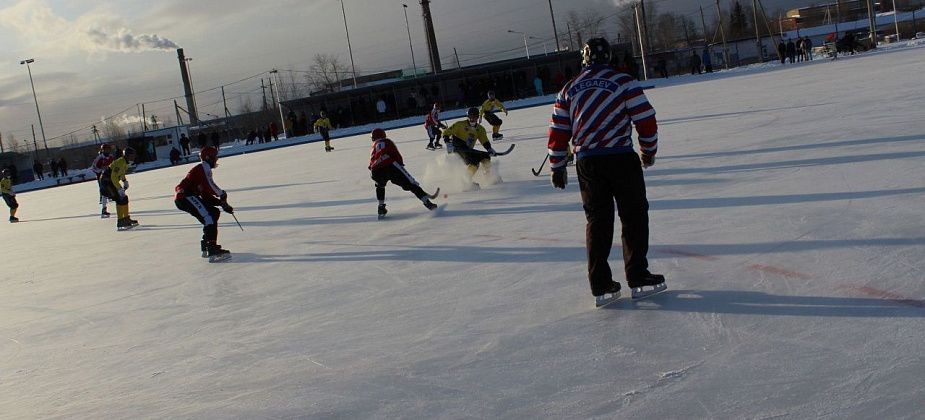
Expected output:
(132, 222)
(437, 144)
(497, 136)
(609, 296)
(104, 214)
(382, 211)
(429, 204)
(430, 146)
(204, 247)
(124, 224)
(647, 285)
(14, 219)
(217, 254)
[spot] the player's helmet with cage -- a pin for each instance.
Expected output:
(473, 115)
(209, 154)
(595, 51)
(377, 134)
(129, 153)
(5, 172)
(491, 94)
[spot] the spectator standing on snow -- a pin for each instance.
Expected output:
(695, 63)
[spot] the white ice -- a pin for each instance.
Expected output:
(786, 212)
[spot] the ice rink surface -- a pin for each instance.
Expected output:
(786, 212)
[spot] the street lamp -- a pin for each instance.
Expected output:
(279, 103)
(41, 126)
(545, 50)
(526, 47)
(349, 48)
(413, 64)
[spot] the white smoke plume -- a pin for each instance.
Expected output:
(122, 40)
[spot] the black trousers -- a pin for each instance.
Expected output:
(471, 156)
(112, 192)
(10, 201)
(206, 214)
(605, 180)
(492, 119)
(397, 174)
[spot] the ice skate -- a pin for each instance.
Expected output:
(14, 219)
(430, 146)
(132, 222)
(382, 211)
(649, 285)
(217, 254)
(438, 145)
(204, 247)
(497, 136)
(609, 296)
(104, 214)
(429, 204)
(124, 224)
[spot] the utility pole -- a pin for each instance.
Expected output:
(554, 31)
(703, 22)
(264, 90)
(414, 64)
(35, 143)
(872, 18)
(279, 101)
(645, 23)
(457, 58)
(757, 35)
(144, 118)
(225, 103)
(349, 48)
(642, 47)
(571, 44)
(722, 32)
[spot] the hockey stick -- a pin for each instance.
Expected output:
(511, 147)
(236, 221)
(536, 172)
(435, 194)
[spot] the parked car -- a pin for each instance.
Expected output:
(919, 35)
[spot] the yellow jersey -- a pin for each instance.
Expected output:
(6, 186)
(117, 169)
(464, 131)
(323, 123)
(491, 105)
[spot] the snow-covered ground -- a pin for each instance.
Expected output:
(786, 212)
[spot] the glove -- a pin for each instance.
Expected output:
(125, 184)
(224, 197)
(647, 160)
(491, 150)
(122, 192)
(227, 207)
(559, 178)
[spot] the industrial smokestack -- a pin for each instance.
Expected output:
(431, 38)
(187, 88)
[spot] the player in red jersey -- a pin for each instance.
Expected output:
(433, 125)
(99, 165)
(386, 164)
(198, 195)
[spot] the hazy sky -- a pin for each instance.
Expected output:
(96, 58)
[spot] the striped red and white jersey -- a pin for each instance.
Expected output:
(433, 118)
(384, 153)
(198, 182)
(101, 162)
(595, 112)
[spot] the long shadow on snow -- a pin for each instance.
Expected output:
(732, 114)
(473, 254)
(829, 145)
(710, 250)
(759, 303)
(763, 200)
(837, 160)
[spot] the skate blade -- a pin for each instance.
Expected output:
(124, 228)
(606, 299)
(219, 258)
(643, 292)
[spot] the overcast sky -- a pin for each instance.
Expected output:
(96, 58)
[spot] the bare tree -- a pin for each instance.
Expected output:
(290, 87)
(244, 105)
(326, 73)
(112, 130)
(586, 25)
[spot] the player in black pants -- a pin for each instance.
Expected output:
(386, 165)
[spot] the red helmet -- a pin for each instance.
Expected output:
(378, 133)
(208, 154)
(105, 146)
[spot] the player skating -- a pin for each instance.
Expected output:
(433, 125)
(115, 185)
(198, 195)
(99, 165)
(6, 190)
(460, 139)
(598, 102)
(386, 164)
(323, 125)
(488, 112)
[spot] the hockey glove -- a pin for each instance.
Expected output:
(559, 178)
(227, 207)
(125, 184)
(224, 197)
(491, 150)
(647, 160)
(122, 192)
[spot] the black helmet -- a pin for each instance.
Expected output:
(473, 112)
(128, 151)
(596, 51)
(491, 94)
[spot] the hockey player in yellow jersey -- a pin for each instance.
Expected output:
(460, 139)
(488, 112)
(6, 190)
(115, 187)
(323, 125)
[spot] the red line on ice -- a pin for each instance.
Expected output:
(780, 271)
